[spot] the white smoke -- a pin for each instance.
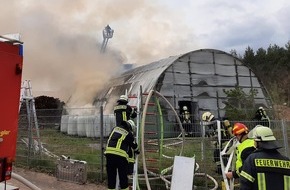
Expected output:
(62, 41)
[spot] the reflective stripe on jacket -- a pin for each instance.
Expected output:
(124, 113)
(119, 142)
(265, 170)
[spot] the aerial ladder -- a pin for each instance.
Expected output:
(107, 34)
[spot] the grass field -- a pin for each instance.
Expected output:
(89, 150)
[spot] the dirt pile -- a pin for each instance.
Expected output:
(282, 112)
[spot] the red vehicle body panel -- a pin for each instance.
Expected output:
(11, 60)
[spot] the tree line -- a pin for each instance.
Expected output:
(272, 67)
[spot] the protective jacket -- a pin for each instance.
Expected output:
(124, 113)
(243, 150)
(262, 117)
(185, 117)
(210, 129)
(265, 170)
(120, 141)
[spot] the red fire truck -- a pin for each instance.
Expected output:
(11, 60)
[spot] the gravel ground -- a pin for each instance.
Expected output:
(47, 182)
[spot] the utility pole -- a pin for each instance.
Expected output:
(107, 34)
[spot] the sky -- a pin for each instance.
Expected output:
(62, 38)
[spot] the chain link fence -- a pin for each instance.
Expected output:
(56, 144)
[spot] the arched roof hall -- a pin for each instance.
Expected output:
(196, 79)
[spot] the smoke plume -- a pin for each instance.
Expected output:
(62, 41)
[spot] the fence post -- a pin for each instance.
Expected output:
(102, 140)
(285, 138)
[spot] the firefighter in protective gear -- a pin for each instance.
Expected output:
(243, 150)
(185, 115)
(120, 140)
(131, 152)
(207, 117)
(262, 117)
(186, 120)
(266, 168)
(229, 130)
(123, 111)
(209, 123)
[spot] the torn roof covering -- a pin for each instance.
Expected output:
(199, 76)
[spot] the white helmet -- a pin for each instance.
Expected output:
(261, 108)
(261, 133)
(207, 116)
(123, 98)
(184, 108)
(264, 138)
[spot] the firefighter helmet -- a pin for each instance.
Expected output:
(207, 116)
(262, 133)
(123, 98)
(239, 129)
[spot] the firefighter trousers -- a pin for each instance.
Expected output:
(116, 164)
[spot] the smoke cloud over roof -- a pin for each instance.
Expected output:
(62, 41)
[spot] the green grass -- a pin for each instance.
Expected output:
(192, 148)
(78, 148)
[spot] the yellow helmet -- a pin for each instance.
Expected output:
(207, 116)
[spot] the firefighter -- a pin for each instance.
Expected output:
(210, 126)
(131, 156)
(185, 115)
(208, 123)
(262, 117)
(265, 168)
(123, 111)
(120, 140)
(185, 119)
(207, 116)
(131, 160)
(243, 150)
